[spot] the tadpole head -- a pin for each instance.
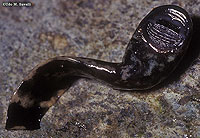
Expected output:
(156, 48)
(166, 28)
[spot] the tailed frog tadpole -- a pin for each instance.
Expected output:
(153, 52)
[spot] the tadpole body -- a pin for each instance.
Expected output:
(154, 51)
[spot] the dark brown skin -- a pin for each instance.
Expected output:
(154, 51)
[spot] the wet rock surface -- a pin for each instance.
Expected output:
(97, 29)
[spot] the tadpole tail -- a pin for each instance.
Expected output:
(46, 83)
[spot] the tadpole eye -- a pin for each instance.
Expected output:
(166, 28)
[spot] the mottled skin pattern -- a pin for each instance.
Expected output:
(154, 51)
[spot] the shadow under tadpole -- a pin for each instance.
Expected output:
(189, 58)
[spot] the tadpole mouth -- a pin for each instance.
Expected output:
(167, 28)
(168, 25)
